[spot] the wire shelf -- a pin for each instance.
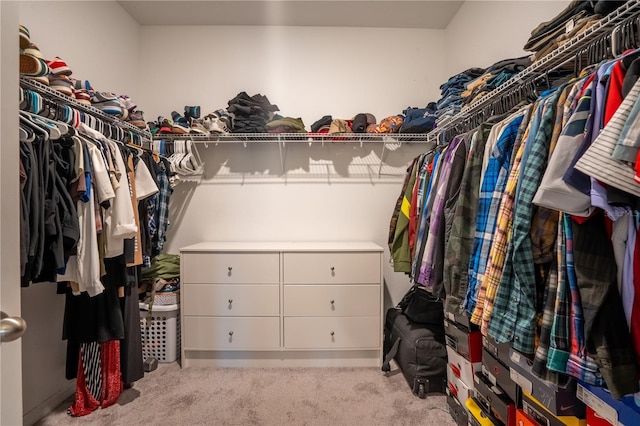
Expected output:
(299, 137)
(557, 57)
(27, 83)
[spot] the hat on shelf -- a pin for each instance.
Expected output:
(24, 37)
(32, 66)
(59, 67)
(61, 83)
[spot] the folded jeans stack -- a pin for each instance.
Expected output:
(251, 113)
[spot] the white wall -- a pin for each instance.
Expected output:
(484, 32)
(99, 42)
(97, 39)
(307, 71)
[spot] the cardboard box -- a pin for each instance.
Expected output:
(540, 414)
(523, 420)
(561, 401)
(494, 400)
(593, 419)
(479, 417)
(458, 411)
(458, 388)
(498, 350)
(461, 319)
(466, 343)
(499, 374)
(616, 412)
(461, 367)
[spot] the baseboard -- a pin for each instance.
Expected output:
(49, 404)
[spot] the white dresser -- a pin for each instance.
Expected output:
(281, 304)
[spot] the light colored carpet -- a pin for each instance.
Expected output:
(266, 397)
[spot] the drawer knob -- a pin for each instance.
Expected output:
(333, 271)
(229, 269)
(333, 333)
(332, 301)
(230, 333)
(230, 301)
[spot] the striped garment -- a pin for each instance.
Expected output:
(597, 161)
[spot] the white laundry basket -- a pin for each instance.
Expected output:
(161, 339)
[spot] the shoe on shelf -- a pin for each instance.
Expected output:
(136, 118)
(180, 124)
(24, 37)
(197, 126)
(61, 83)
(153, 126)
(166, 125)
(225, 116)
(82, 96)
(82, 84)
(127, 103)
(59, 67)
(106, 102)
(218, 126)
(192, 112)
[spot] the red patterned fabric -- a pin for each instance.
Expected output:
(107, 377)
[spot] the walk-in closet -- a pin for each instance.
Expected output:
(320, 212)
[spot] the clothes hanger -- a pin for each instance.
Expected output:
(37, 129)
(48, 125)
(61, 127)
(25, 134)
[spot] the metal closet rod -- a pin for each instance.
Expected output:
(297, 137)
(50, 93)
(573, 50)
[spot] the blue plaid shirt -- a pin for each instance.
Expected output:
(514, 311)
(493, 184)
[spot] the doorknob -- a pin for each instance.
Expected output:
(11, 328)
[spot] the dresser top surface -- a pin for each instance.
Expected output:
(279, 246)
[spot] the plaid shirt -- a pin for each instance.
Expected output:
(560, 331)
(500, 245)
(493, 184)
(579, 364)
(514, 313)
(499, 248)
(437, 215)
(458, 249)
(162, 209)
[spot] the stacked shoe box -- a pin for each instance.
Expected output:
(464, 353)
(604, 410)
(496, 395)
(543, 402)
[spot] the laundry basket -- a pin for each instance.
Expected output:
(161, 339)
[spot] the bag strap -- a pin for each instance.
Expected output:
(386, 367)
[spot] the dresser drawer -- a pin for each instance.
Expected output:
(231, 333)
(331, 268)
(226, 300)
(332, 300)
(230, 268)
(331, 332)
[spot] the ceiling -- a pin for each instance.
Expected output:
(359, 13)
